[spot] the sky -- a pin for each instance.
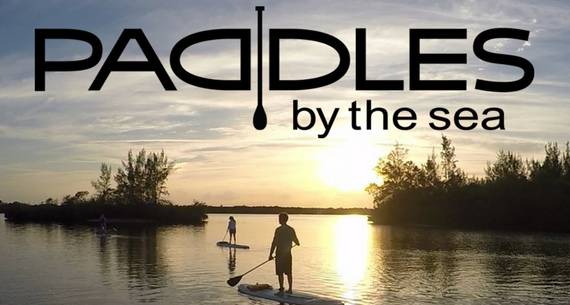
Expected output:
(52, 142)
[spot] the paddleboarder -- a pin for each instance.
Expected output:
(102, 224)
(283, 240)
(232, 229)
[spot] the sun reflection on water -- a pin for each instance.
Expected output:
(352, 235)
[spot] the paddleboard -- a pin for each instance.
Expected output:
(228, 245)
(103, 235)
(296, 298)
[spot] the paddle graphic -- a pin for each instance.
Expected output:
(259, 116)
(235, 280)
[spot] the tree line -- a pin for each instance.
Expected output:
(514, 193)
(140, 192)
(141, 181)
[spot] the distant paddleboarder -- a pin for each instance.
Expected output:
(102, 224)
(232, 229)
(282, 242)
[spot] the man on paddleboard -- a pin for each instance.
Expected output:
(282, 242)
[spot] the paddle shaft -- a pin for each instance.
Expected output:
(256, 267)
(225, 235)
(259, 10)
(259, 116)
(239, 277)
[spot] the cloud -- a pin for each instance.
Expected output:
(56, 139)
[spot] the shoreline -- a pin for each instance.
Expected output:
(123, 220)
(263, 210)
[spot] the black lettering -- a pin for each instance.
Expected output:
(275, 36)
(439, 118)
(296, 112)
(503, 59)
(42, 66)
(327, 125)
(113, 64)
(369, 112)
(457, 118)
(416, 58)
(501, 118)
(353, 109)
(397, 117)
(361, 82)
(244, 83)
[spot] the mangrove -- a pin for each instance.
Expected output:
(139, 195)
(530, 195)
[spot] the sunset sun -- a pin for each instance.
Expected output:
(349, 166)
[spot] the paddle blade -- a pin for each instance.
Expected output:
(234, 280)
(259, 118)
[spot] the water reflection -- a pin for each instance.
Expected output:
(105, 262)
(102, 243)
(141, 260)
(351, 246)
(341, 256)
(232, 261)
(414, 264)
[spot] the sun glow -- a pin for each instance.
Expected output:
(349, 165)
(352, 241)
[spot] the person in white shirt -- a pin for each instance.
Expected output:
(232, 229)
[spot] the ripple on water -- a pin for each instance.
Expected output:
(367, 265)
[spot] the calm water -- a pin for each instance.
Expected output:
(340, 256)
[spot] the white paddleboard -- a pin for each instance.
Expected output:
(228, 245)
(296, 298)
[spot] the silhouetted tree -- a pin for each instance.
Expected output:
(157, 170)
(566, 163)
(143, 180)
(52, 201)
(79, 198)
(507, 166)
(531, 195)
(431, 174)
(452, 175)
(551, 168)
(397, 174)
(102, 186)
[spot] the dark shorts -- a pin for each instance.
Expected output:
(232, 231)
(283, 263)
